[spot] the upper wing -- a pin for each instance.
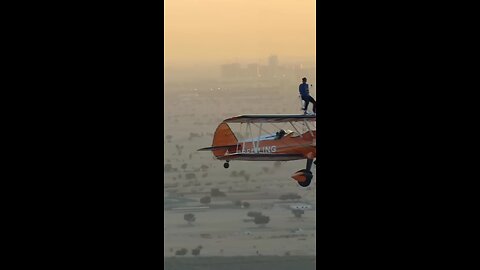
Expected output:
(271, 118)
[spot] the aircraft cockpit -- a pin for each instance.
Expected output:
(273, 136)
(280, 134)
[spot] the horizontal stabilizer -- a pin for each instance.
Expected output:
(217, 147)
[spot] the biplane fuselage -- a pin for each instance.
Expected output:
(288, 147)
(282, 145)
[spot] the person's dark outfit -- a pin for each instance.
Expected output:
(304, 92)
(280, 134)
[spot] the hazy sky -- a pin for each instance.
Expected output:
(202, 32)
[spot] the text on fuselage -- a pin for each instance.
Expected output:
(259, 150)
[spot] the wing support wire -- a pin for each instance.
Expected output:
(294, 127)
(308, 127)
(238, 144)
(260, 129)
(275, 126)
(247, 130)
(257, 148)
(249, 134)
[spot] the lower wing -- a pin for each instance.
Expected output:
(262, 157)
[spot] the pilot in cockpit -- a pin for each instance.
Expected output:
(280, 134)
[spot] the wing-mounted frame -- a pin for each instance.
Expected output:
(300, 123)
(230, 146)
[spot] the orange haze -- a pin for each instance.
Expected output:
(203, 32)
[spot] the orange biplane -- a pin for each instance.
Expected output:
(283, 145)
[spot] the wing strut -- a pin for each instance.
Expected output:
(257, 148)
(308, 127)
(298, 132)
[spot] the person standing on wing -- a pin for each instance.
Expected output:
(305, 94)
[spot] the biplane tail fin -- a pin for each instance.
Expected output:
(223, 137)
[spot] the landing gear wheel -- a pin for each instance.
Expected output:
(226, 165)
(307, 182)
